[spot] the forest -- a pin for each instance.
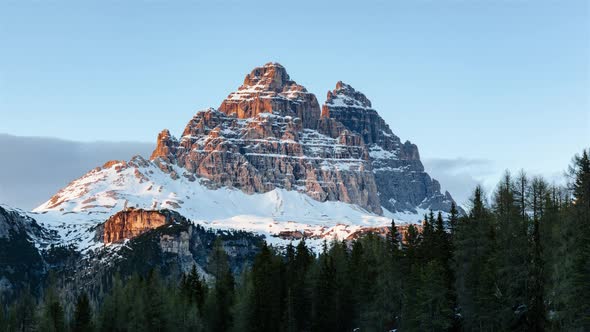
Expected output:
(519, 260)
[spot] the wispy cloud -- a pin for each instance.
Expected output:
(460, 175)
(34, 168)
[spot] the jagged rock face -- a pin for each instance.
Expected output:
(269, 89)
(399, 174)
(277, 145)
(166, 147)
(130, 223)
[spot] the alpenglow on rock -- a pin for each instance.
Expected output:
(271, 133)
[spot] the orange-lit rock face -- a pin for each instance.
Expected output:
(131, 223)
(269, 89)
(165, 145)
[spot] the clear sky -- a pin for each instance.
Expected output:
(505, 82)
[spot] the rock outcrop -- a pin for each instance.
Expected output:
(131, 223)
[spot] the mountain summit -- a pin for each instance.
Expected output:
(269, 89)
(270, 134)
(269, 159)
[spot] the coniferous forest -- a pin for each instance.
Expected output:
(519, 260)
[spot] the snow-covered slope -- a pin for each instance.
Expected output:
(140, 183)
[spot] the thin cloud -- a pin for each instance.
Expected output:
(459, 176)
(34, 168)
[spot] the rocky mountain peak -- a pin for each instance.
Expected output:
(267, 138)
(270, 77)
(346, 95)
(166, 145)
(269, 89)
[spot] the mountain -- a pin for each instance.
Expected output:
(269, 159)
(269, 163)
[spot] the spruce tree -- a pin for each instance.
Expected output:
(82, 315)
(453, 218)
(475, 265)
(434, 312)
(579, 300)
(536, 318)
(411, 280)
(219, 301)
(300, 288)
(325, 312)
(21, 313)
(266, 300)
(512, 252)
(52, 314)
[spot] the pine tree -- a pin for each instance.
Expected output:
(82, 315)
(3, 320)
(243, 309)
(220, 299)
(325, 314)
(300, 288)
(433, 306)
(411, 280)
(453, 218)
(391, 280)
(428, 243)
(194, 288)
(266, 300)
(512, 252)
(475, 265)
(577, 301)
(52, 316)
(343, 285)
(21, 314)
(154, 304)
(536, 318)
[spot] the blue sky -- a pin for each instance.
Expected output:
(506, 82)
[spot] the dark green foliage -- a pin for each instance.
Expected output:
(476, 269)
(82, 321)
(221, 297)
(52, 314)
(265, 299)
(21, 314)
(194, 288)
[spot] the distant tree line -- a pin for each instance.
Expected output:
(518, 263)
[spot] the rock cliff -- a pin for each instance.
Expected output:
(132, 222)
